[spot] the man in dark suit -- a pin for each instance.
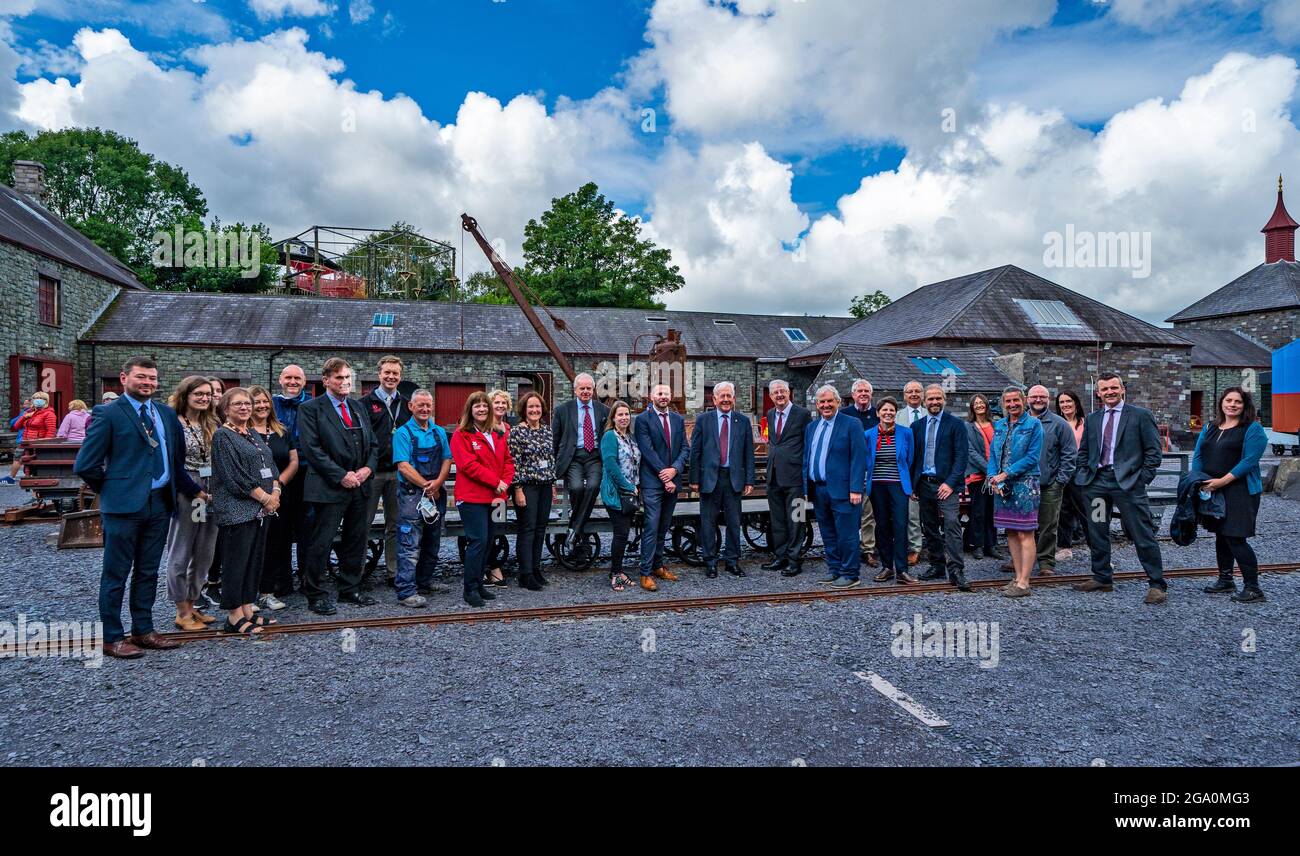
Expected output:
(786, 422)
(337, 442)
(722, 470)
(576, 431)
(939, 473)
(388, 411)
(866, 412)
(835, 478)
(1118, 458)
(134, 458)
(661, 436)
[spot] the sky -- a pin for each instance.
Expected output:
(790, 153)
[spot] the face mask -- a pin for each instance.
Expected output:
(39, 402)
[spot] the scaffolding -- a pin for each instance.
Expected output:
(396, 263)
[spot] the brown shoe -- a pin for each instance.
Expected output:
(648, 583)
(1013, 590)
(1046, 572)
(904, 578)
(1155, 595)
(884, 576)
(1093, 585)
(122, 649)
(872, 561)
(206, 619)
(665, 574)
(913, 558)
(190, 623)
(155, 640)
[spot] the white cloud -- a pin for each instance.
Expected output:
(1281, 17)
(360, 11)
(268, 10)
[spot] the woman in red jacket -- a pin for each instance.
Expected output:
(36, 423)
(484, 471)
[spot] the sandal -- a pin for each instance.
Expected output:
(262, 621)
(243, 627)
(619, 582)
(499, 581)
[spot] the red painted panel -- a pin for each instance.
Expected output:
(1286, 412)
(449, 401)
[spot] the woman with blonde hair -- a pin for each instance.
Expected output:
(192, 539)
(73, 426)
(277, 576)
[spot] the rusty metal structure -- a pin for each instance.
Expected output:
(396, 263)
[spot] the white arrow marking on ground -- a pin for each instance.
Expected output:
(903, 700)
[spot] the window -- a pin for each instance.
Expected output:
(656, 319)
(382, 319)
(1049, 313)
(936, 366)
(49, 301)
(724, 322)
(794, 334)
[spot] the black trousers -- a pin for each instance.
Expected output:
(476, 521)
(785, 534)
(1073, 516)
(351, 513)
(941, 526)
(583, 481)
(277, 567)
(531, 520)
(622, 522)
(722, 498)
(981, 534)
(1105, 495)
(1228, 549)
(292, 514)
(243, 548)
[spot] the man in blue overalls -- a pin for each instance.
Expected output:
(423, 458)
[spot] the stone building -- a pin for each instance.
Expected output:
(56, 282)
(962, 372)
(1038, 331)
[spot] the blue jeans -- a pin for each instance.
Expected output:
(890, 505)
(132, 541)
(417, 542)
(657, 505)
(840, 522)
(476, 520)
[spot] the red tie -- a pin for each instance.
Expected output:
(588, 432)
(668, 435)
(343, 411)
(724, 438)
(779, 417)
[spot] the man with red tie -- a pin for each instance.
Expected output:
(786, 422)
(661, 436)
(576, 432)
(722, 470)
(338, 444)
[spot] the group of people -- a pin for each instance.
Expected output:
(36, 421)
(226, 481)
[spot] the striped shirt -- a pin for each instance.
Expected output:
(886, 469)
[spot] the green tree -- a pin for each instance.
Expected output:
(104, 186)
(170, 271)
(582, 253)
(869, 304)
(485, 287)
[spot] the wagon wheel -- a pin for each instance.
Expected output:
(756, 527)
(686, 544)
(581, 559)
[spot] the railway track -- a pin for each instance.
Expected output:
(632, 607)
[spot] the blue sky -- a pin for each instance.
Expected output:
(780, 125)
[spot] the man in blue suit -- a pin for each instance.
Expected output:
(722, 470)
(661, 436)
(134, 458)
(939, 474)
(835, 476)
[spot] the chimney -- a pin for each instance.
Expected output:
(1279, 233)
(29, 179)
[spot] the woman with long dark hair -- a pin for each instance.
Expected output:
(621, 461)
(277, 576)
(192, 539)
(484, 472)
(889, 485)
(981, 534)
(1073, 518)
(534, 487)
(1229, 450)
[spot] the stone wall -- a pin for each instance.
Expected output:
(83, 296)
(837, 372)
(1272, 329)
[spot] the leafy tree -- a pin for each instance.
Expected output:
(169, 270)
(106, 188)
(582, 253)
(485, 287)
(869, 304)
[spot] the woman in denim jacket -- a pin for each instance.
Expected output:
(1013, 457)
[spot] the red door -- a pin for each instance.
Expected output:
(449, 401)
(53, 377)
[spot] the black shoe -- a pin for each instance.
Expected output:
(357, 598)
(960, 581)
(485, 594)
(537, 575)
(775, 565)
(995, 553)
(1248, 594)
(322, 607)
(711, 572)
(933, 574)
(793, 571)
(1223, 585)
(472, 598)
(529, 582)
(735, 570)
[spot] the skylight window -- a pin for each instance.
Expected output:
(383, 319)
(936, 366)
(795, 335)
(725, 322)
(1049, 313)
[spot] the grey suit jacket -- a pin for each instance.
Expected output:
(785, 456)
(1137, 448)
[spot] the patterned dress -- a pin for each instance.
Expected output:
(1017, 510)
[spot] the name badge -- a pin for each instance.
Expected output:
(266, 472)
(205, 472)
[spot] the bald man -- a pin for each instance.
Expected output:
(293, 511)
(1055, 469)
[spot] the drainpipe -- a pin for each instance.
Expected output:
(270, 369)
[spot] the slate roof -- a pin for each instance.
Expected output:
(981, 307)
(172, 318)
(892, 367)
(30, 225)
(1269, 286)
(1226, 348)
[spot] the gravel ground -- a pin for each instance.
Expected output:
(1079, 679)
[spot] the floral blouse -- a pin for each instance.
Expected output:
(197, 452)
(534, 454)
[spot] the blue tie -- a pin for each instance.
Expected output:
(146, 420)
(817, 453)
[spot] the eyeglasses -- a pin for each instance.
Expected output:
(201, 394)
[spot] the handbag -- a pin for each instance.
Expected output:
(630, 501)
